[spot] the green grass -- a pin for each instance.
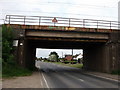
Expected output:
(70, 65)
(57, 63)
(12, 71)
(75, 65)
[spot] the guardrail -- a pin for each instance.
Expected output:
(60, 21)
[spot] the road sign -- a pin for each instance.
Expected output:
(54, 20)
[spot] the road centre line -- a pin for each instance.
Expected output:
(75, 77)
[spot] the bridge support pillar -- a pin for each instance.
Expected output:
(20, 53)
(30, 56)
(26, 54)
(104, 57)
(96, 58)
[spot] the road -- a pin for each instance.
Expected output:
(57, 76)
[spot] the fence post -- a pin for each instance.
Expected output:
(24, 19)
(83, 23)
(97, 24)
(9, 19)
(110, 24)
(69, 22)
(39, 20)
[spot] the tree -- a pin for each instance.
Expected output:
(7, 43)
(53, 56)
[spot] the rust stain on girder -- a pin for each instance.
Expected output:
(62, 28)
(63, 39)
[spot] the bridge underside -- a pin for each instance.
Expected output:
(97, 55)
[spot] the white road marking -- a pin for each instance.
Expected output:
(40, 78)
(75, 77)
(81, 80)
(104, 77)
(41, 83)
(45, 80)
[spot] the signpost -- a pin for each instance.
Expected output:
(54, 21)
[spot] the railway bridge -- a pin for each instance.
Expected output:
(99, 39)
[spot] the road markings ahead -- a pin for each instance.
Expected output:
(81, 80)
(40, 75)
(75, 77)
(41, 80)
(45, 80)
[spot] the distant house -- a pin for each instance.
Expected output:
(68, 57)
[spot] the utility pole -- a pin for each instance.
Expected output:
(62, 54)
(72, 52)
(72, 56)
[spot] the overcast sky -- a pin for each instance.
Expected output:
(61, 52)
(83, 9)
(93, 9)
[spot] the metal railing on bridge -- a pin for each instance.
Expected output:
(60, 21)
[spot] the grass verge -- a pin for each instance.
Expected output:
(11, 71)
(70, 65)
(75, 65)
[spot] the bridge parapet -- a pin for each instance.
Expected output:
(60, 21)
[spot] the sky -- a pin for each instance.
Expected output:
(41, 52)
(82, 9)
(87, 9)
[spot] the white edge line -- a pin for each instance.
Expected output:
(45, 80)
(104, 77)
(41, 80)
(40, 75)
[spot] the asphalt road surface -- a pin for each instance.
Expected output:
(57, 76)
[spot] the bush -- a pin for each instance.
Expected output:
(9, 66)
